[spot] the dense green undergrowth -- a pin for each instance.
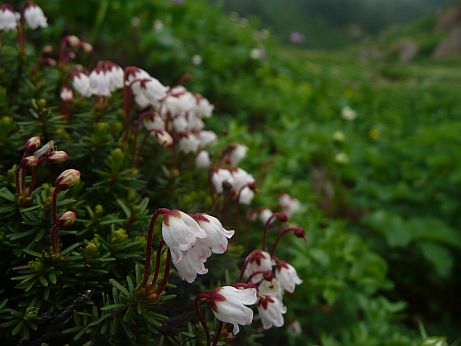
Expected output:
(379, 192)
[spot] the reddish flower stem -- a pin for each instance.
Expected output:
(136, 133)
(150, 236)
(298, 231)
(23, 178)
(157, 261)
(218, 333)
(280, 216)
(54, 207)
(166, 275)
(201, 318)
(54, 235)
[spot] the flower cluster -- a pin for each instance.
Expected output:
(31, 14)
(175, 117)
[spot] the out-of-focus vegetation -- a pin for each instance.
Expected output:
(371, 150)
(333, 24)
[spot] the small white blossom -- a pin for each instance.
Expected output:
(35, 18)
(8, 20)
(207, 138)
(230, 306)
(219, 177)
(217, 235)
(265, 215)
(81, 83)
(246, 196)
(289, 204)
(271, 311)
(193, 261)
(238, 153)
(287, 275)
(203, 159)
(189, 143)
(257, 260)
(180, 232)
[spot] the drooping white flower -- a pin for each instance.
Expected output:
(99, 84)
(154, 123)
(81, 83)
(271, 311)
(287, 275)
(246, 195)
(195, 123)
(153, 90)
(204, 108)
(217, 235)
(193, 261)
(271, 287)
(219, 177)
(202, 160)
(289, 204)
(238, 153)
(8, 20)
(265, 215)
(180, 232)
(180, 123)
(134, 78)
(257, 260)
(207, 138)
(229, 305)
(188, 143)
(115, 75)
(35, 18)
(241, 178)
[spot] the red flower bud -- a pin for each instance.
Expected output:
(67, 179)
(29, 161)
(32, 144)
(57, 156)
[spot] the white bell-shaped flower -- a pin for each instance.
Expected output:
(271, 311)
(238, 154)
(180, 232)
(204, 108)
(246, 195)
(230, 306)
(8, 20)
(188, 143)
(217, 235)
(81, 83)
(203, 160)
(271, 287)
(35, 18)
(257, 260)
(287, 275)
(289, 204)
(207, 138)
(221, 176)
(193, 261)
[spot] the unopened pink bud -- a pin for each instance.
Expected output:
(29, 161)
(67, 179)
(67, 218)
(32, 144)
(58, 156)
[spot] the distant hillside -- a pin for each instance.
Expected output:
(436, 36)
(332, 24)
